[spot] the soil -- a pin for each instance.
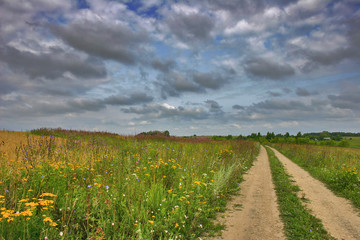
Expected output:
(254, 214)
(338, 216)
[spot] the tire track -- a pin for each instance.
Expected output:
(259, 217)
(338, 216)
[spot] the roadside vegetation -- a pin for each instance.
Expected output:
(337, 167)
(298, 221)
(81, 185)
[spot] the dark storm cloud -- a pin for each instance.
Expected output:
(51, 65)
(190, 28)
(108, 41)
(266, 68)
(133, 99)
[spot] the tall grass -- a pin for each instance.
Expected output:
(104, 186)
(337, 167)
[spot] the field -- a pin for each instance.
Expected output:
(80, 185)
(353, 141)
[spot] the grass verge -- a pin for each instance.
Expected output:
(298, 222)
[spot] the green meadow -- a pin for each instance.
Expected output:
(82, 185)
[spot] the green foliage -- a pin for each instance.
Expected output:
(107, 186)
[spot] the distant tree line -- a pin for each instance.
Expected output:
(156, 133)
(321, 138)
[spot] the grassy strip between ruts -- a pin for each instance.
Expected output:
(298, 222)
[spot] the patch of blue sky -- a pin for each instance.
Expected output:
(52, 17)
(163, 50)
(82, 4)
(138, 7)
(268, 44)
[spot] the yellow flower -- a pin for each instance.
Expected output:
(177, 225)
(197, 182)
(152, 222)
(53, 224)
(47, 219)
(48, 195)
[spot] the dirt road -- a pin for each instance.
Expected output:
(258, 217)
(339, 218)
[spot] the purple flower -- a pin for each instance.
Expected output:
(89, 186)
(107, 187)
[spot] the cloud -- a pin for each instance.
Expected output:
(274, 94)
(238, 107)
(212, 80)
(134, 98)
(52, 64)
(238, 8)
(113, 41)
(213, 106)
(164, 110)
(348, 98)
(266, 68)
(189, 26)
(163, 65)
(302, 92)
(174, 83)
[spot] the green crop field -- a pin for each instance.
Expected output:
(353, 141)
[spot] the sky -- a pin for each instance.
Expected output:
(204, 67)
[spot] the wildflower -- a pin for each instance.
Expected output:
(176, 225)
(48, 195)
(52, 224)
(47, 219)
(107, 187)
(61, 234)
(152, 222)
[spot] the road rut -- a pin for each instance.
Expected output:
(259, 217)
(338, 216)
